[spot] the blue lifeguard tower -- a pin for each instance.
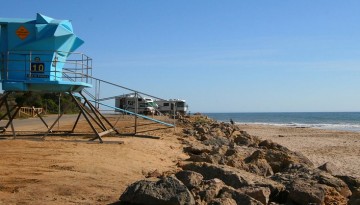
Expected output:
(37, 55)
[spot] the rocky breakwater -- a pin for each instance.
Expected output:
(229, 166)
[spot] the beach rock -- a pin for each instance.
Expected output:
(304, 193)
(257, 164)
(189, 132)
(223, 201)
(352, 182)
(354, 185)
(339, 185)
(287, 179)
(197, 148)
(355, 197)
(233, 177)
(216, 141)
(312, 184)
(216, 131)
(268, 144)
(235, 157)
(238, 196)
(333, 197)
(204, 153)
(189, 178)
(247, 140)
(153, 174)
(261, 194)
(280, 160)
(208, 190)
(167, 190)
(204, 157)
(329, 168)
(201, 129)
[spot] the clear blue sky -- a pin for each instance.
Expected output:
(221, 56)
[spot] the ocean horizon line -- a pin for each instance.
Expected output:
(349, 121)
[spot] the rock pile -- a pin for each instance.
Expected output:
(229, 166)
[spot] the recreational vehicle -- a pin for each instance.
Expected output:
(145, 106)
(172, 106)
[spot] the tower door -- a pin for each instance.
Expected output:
(3, 48)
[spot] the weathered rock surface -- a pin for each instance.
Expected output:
(246, 140)
(354, 185)
(329, 168)
(238, 196)
(305, 193)
(233, 177)
(261, 194)
(168, 190)
(329, 180)
(189, 178)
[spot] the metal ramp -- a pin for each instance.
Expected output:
(94, 95)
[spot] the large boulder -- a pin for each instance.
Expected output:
(189, 178)
(261, 194)
(208, 190)
(355, 197)
(233, 177)
(244, 139)
(268, 144)
(313, 185)
(329, 168)
(257, 164)
(332, 196)
(310, 192)
(167, 190)
(238, 196)
(281, 160)
(329, 180)
(196, 148)
(352, 182)
(201, 128)
(216, 141)
(354, 185)
(304, 193)
(214, 191)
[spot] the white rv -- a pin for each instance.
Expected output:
(172, 106)
(145, 106)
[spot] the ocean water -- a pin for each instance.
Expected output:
(349, 121)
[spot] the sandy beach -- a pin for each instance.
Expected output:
(62, 170)
(342, 148)
(70, 170)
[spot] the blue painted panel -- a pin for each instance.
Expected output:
(25, 46)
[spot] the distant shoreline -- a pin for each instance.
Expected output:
(341, 121)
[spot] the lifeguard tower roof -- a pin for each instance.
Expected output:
(37, 55)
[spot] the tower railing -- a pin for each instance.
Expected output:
(16, 66)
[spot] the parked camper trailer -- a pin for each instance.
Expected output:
(145, 106)
(171, 106)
